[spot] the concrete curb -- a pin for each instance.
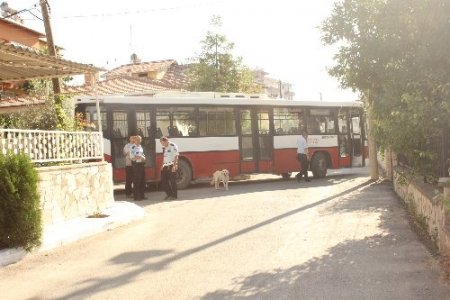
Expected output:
(63, 233)
(10, 256)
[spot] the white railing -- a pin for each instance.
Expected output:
(52, 146)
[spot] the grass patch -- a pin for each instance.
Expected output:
(98, 215)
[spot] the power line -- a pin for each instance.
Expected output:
(35, 15)
(134, 12)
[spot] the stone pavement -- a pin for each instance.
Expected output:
(56, 235)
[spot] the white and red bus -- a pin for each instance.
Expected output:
(243, 133)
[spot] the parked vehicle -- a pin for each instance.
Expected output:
(242, 133)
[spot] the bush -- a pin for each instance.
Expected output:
(43, 117)
(20, 213)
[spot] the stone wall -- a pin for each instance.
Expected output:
(73, 191)
(423, 200)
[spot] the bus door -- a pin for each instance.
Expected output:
(356, 139)
(119, 137)
(345, 158)
(145, 125)
(256, 140)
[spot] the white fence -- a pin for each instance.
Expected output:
(52, 146)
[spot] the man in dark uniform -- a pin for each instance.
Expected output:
(169, 168)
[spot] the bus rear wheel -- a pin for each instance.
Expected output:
(319, 165)
(184, 174)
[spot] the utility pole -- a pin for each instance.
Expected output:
(52, 52)
(280, 87)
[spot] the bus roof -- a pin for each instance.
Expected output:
(210, 98)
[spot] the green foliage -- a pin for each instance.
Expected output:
(447, 205)
(216, 69)
(402, 180)
(43, 117)
(20, 214)
(50, 116)
(395, 53)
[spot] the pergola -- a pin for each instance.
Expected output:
(17, 63)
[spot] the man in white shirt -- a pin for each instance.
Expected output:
(138, 161)
(128, 168)
(169, 168)
(303, 155)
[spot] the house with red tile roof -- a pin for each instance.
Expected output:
(147, 77)
(18, 34)
(136, 78)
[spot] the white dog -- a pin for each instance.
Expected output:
(221, 176)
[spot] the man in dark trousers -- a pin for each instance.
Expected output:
(303, 155)
(128, 168)
(169, 168)
(138, 161)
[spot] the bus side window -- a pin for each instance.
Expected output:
(192, 131)
(330, 125)
(117, 133)
(104, 120)
(321, 121)
(293, 130)
(162, 121)
(120, 124)
(313, 125)
(342, 122)
(173, 131)
(140, 132)
(216, 121)
(159, 132)
(288, 120)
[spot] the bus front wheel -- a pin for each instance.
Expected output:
(184, 174)
(319, 165)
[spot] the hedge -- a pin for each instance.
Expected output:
(20, 213)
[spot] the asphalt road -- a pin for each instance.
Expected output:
(342, 237)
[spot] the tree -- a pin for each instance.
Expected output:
(54, 115)
(395, 53)
(216, 69)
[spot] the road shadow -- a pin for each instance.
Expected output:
(205, 191)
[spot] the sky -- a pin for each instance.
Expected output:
(281, 37)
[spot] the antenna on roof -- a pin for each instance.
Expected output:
(134, 59)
